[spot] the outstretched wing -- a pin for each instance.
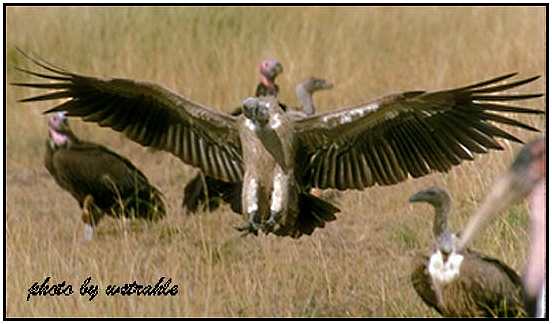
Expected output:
(150, 115)
(412, 133)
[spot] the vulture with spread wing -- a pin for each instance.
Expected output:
(102, 181)
(280, 157)
(208, 191)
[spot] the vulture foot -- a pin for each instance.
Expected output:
(251, 226)
(248, 228)
(271, 224)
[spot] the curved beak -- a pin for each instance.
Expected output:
(278, 68)
(417, 197)
(327, 86)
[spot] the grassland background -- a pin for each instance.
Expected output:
(358, 265)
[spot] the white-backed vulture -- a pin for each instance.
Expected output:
(482, 286)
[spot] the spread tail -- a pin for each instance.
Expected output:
(314, 212)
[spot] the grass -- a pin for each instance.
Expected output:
(356, 266)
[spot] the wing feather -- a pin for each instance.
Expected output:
(412, 133)
(147, 114)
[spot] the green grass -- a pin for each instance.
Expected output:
(358, 265)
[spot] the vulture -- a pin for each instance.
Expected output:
(195, 193)
(466, 284)
(278, 156)
(102, 181)
(208, 190)
(306, 89)
(525, 178)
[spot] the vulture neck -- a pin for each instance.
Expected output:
(305, 97)
(442, 211)
(268, 84)
(62, 138)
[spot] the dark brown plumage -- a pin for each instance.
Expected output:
(462, 284)
(279, 157)
(102, 181)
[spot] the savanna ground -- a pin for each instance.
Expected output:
(358, 265)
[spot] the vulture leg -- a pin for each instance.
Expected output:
(91, 216)
(251, 199)
(205, 189)
(251, 226)
(279, 200)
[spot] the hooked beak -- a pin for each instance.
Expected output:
(278, 69)
(328, 86)
(417, 197)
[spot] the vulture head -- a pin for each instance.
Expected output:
(435, 196)
(313, 84)
(528, 168)
(256, 110)
(439, 198)
(59, 130)
(270, 69)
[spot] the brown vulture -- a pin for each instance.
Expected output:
(280, 157)
(526, 178)
(102, 181)
(195, 192)
(466, 284)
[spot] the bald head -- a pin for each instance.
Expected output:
(58, 129)
(270, 69)
(529, 167)
(58, 121)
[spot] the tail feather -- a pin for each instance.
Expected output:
(195, 197)
(313, 212)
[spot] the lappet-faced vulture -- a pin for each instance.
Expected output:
(102, 181)
(280, 158)
(525, 178)
(462, 284)
(208, 191)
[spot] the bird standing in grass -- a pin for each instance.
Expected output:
(102, 181)
(466, 284)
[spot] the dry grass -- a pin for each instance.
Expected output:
(358, 265)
